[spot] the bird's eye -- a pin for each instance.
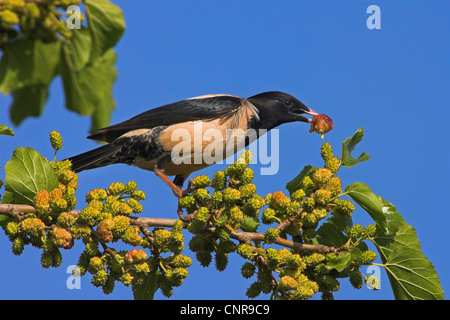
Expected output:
(287, 103)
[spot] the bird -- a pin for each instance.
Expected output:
(149, 139)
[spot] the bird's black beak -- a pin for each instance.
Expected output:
(300, 117)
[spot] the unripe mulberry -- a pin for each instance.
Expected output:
(221, 259)
(130, 187)
(56, 140)
(254, 290)
(356, 231)
(279, 201)
(247, 176)
(333, 164)
(138, 195)
(268, 216)
(308, 204)
(247, 190)
(187, 202)
(17, 246)
(326, 151)
(286, 283)
(62, 238)
(65, 220)
(201, 181)
(321, 176)
(181, 261)
(100, 278)
(307, 185)
(335, 186)
(356, 279)
(271, 235)
(248, 270)
(12, 229)
(298, 195)
(219, 181)
(96, 194)
(104, 230)
(343, 209)
(161, 239)
(8, 19)
(116, 188)
(42, 203)
(367, 257)
(369, 231)
(135, 206)
(245, 251)
(96, 264)
(135, 256)
(200, 194)
(80, 231)
(32, 226)
(121, 223)
(231, 195)
(132, 237)
(322, 196)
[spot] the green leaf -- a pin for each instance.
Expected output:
(28, 101)
(27, 172)
(341, 263)
(381, 211)
(79, 48)
(146, 289)
(348, 146)
(28, 62)
(331, 235)
(4, 220)
(8, 197)
(249, 224)
(106, 25)
(412, 276)
(6, 130)
(410, 273)
(295, 183)
(89, 90)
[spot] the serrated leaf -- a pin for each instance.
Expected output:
(89, 90)
(412, 276)
(381, 211)
(28, 101)
(295, 183)
(27, 172)
(348, 146)
(28, 62)
(410, 273)
(329, 234)
(147, 288)
(106, 25)
(249, 224)
(79, 48)
(4, 130)
(4, 220)
(341, 263)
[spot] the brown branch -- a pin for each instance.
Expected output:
(18, 210)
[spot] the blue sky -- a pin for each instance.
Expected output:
(393, 82)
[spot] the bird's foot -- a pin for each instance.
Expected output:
(177, 190)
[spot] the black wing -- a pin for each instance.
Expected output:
(198, 108)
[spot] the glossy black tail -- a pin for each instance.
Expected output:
(95, 158)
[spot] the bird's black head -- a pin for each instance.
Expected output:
(277, 107)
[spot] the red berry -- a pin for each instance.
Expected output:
(321, 124)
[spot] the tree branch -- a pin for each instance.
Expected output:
(19, 210)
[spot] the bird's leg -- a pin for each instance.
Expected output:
(159, 171)
(176, 190)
